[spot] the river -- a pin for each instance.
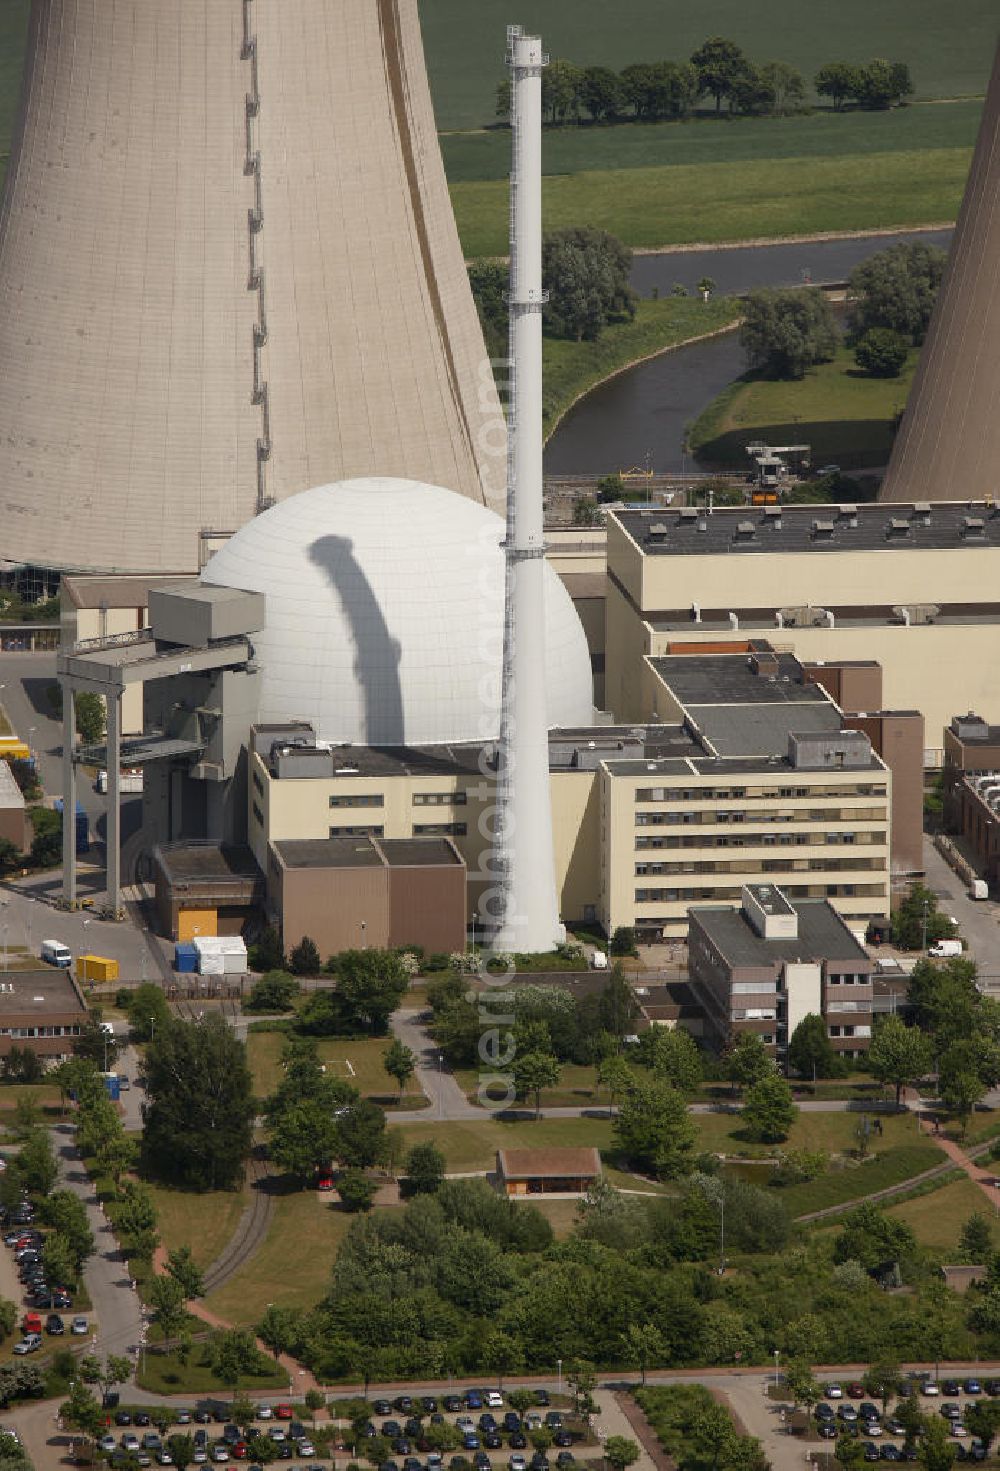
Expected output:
(640, 416)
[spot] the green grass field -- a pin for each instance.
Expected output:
(359, 1063)
(292, 1267)
(835, 1132)
(705, 141)
(473, 1145)
(845, 416)
(948, 49)
(573, 368)
(937, 1218)
(888, 1167)
(653, 207)
(203, 1222)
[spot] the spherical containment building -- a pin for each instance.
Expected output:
(385, 604)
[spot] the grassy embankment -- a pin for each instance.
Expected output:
(847, 417)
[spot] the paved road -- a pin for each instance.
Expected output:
(737, 268)
(106, 1273)
(978, 920)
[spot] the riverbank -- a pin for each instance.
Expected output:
(846, 417)
(574, 369)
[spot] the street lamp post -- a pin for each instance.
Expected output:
(559, 1374)
(923, 928)
(440, 1058)
(775, 1368)
(364, 941)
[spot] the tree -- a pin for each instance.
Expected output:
(935, 1451)
(673, 1054)
(809, 1049)
(602, 93)
(66, 1213)
(180, 1448)
(136, 1221)
(275, 991)
(719, 64)
(167, 1298)
(623, 940)
(304, 959)
(838, 80)
(872, 1238)
(147, 1010)
(581, 1376)
(94, 1044)
(533, 1071)
(959, 1085)
(747, 1060)
(355, 1189)
(617, 1005)
(615, 1074)
(182, 1267)
(400, 1063)
(267, 953)
(786, 85)
(976, 1239)
(489, 281)
(279, 1328)
(882, 1381)
(90, 717)
(503, 105)
(712, 1434)
(946, 1001)
(361, 1135)
(21, 1065)
(655, 1129)
(502, 1353)
(234, 1355)
(768, 1112)
(660, 88)
(620, 1452)
(561, 84)
(898, 1054)
(586, 512)
(116, 1156)
(81, 1411)
(785, 332)
(881, 352)
(36, 1163)
(802, 1385)
(849, 1452)
(751, 92)
(117, 1369)
(305, 1136)
(642, 1345)
(425, 1167)
(59, 1261)
(200, 1109)
(883, 84)
(587, 273)
(372, 983)
(315, 1400)
(983, 1419)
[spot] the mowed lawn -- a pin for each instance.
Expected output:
(203, 1222)
(847, 417)
(359, 1063)
(651, 208)
(472, 1145)
(834, 1132)
(938, 1217)
(949, 49)
(293, 1266)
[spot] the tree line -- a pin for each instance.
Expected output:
(650, 91)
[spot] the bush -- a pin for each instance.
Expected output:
(304, 959)
(881, 353)
(786, 332)
(274, 992)
(267, 953)
(356, 1190)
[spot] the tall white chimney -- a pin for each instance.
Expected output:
(530, 908)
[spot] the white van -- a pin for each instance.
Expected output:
(56, 953)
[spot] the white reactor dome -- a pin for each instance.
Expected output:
(385, 615)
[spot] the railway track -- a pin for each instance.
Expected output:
(251, 1229)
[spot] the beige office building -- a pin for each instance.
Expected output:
(914, 587)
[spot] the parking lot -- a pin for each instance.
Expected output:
(846, 1408)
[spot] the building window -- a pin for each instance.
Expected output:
(258, 784)
(258, 815)
(360, 799)
(439, 799)
(439, 829)
(357, 832)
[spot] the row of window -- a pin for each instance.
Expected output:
(420, 830)
(420, 799)
(767, 865)
(763, 840)
(701, 818)
(725, 794)
(725, 891)
(54, 1031)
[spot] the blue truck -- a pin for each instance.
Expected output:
(82, 826)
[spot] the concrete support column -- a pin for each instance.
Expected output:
(69, 795)
(114, 832)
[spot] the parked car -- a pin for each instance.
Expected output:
(123, 1417)
(264, 1412)
(381, 1407)
(826, 1430)
(403, 1403)
(834, 1391)
(856, 1389)
(930, 1387)
(890, 1452)
(848, 1414)
(54, 1325)
(283, 1411)
(958, 1429)
(871, 1451)
(516, 1462)
(951, 1386)
(29, 1344)
(495, 1399)
(824, 1411)
(429, 1404)
(517, 1442)
(951, 1411)
(973, 1386)
(451, 1403)
(562, 1438)
(473, 1400)
(306, 1448)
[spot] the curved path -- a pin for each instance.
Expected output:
(251, 1229)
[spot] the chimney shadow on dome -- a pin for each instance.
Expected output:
(376, 652)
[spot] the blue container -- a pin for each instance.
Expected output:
(113, 1086)
(82, 826)
(185, 957)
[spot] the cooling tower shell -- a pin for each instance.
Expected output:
(948, 446)
(229, 270)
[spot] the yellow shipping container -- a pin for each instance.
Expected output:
(197, 924)
(96, 968)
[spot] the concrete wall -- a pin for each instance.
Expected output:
(427, 906)
(331, 905)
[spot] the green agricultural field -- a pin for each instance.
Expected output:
(705, 141)
(654, 207)
(948, 48)
(846, 417)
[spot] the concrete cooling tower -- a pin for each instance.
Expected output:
(229, 271)
(948, 447)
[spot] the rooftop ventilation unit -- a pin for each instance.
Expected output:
(822, 530)
(922, 512)
(916, 612)
(973, 527)
(689, 513)
(898, 526)
(744, 531)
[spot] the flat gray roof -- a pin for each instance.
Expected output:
(823, 935)
(419, 853)
(867, 527)
(728, 679)
(204, 859)
(328, 853)
(47, 991)
(114, 592)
